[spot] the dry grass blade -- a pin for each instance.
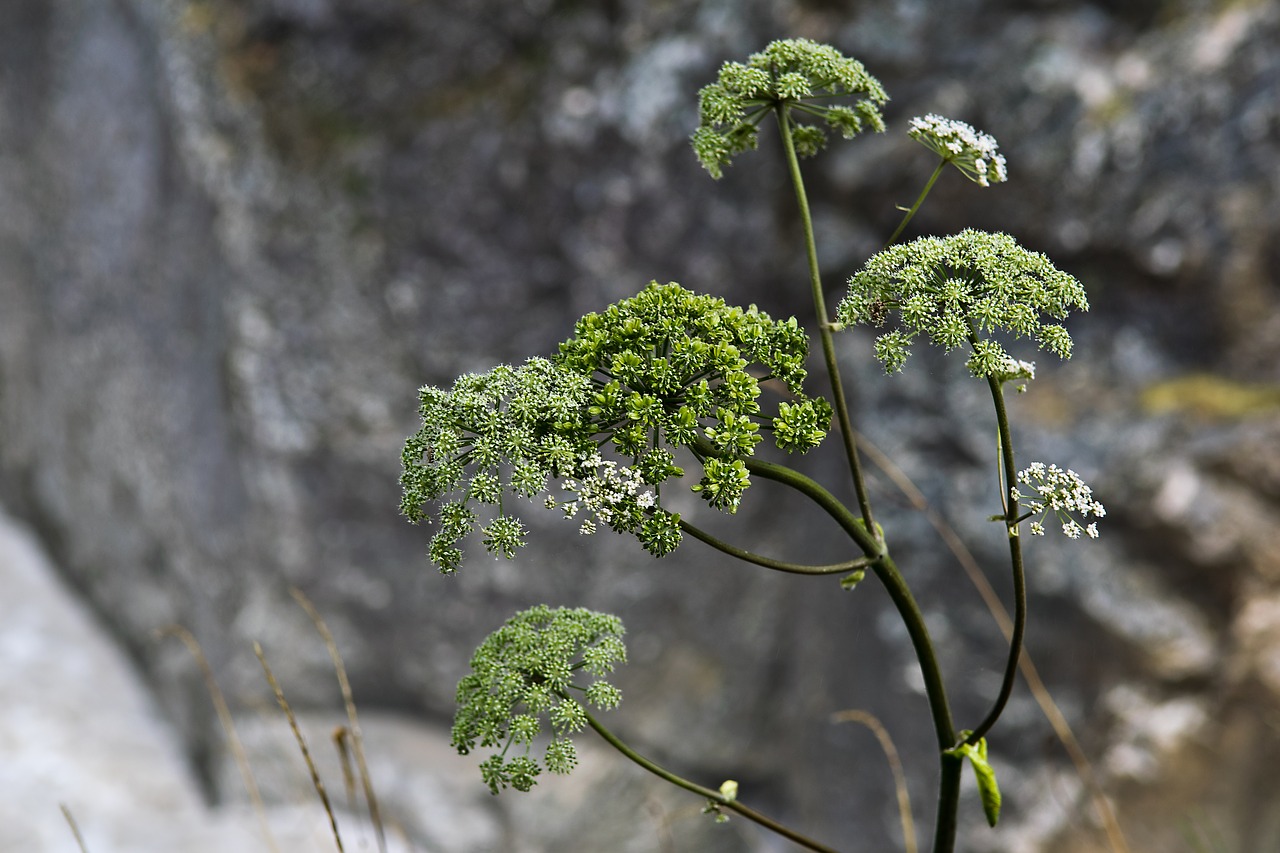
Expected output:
(341, 738)
(75, 827)
(302, 744)
(661, 822)
(895, 765)
(1061, 728)
(353, 720)
(228, 729)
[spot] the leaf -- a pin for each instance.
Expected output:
(852, 579)
(985, 774)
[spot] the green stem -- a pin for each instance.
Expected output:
(841, 405)
(850, 523)
(944, 829)
(919, 201)
(769, 562)
(1015, 558)
(891, 578)
(716, 797)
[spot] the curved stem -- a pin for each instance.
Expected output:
(851, 524)
(919, 201)
(880, 562)
(769, 562)
(891, 578)
(887, 571)
(841, 405)
(1015, 558)
(720, 800)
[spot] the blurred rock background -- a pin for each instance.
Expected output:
(235, 237)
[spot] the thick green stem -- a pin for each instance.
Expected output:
(720, 800)
(769, 562)
(944, 828)
(1009, 484)
(919, 201)
(887, 571)
(840, 404)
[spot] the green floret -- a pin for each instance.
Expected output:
(502, 432)
(797, 74)
(962, 289)
(524, 673)
(672, 368)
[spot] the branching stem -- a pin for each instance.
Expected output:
(719, 799)
(891, 578)
(919, 201)
(769, 562)
(1011, 518)
(840, 404)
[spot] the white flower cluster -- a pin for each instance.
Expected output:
(602, 489)
(1062, 493)
(971, 151)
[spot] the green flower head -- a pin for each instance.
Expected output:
(543, 664)
(671, 368)
(797, 74)
(664, 370)
(494, 434)
(958, 290)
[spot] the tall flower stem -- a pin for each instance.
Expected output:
(919, 201)
(841, 405)
(720, 800)
(1009, 484)
(891, 579)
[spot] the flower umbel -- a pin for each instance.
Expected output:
(524, 673)
(971, 151)
(955, 289)
(502, 432)
(799, 74)
(1062, 493)
(671, 368)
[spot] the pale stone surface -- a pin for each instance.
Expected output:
(79, 727)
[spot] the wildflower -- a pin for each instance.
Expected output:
(522, 673)
(1062, 493)
(671, 368)
(797, 74)
(504, 431)
(971, 151)
(956, 288)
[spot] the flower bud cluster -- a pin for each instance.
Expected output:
(957, 289)
(663, 370)
(1062, 493)
(522, 674)
(505, 431)
(797, 73)
(672, 368)
(971, 151)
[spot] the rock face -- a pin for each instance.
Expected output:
(238, 236)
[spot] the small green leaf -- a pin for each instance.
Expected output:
(852, 579)
(985, 774)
